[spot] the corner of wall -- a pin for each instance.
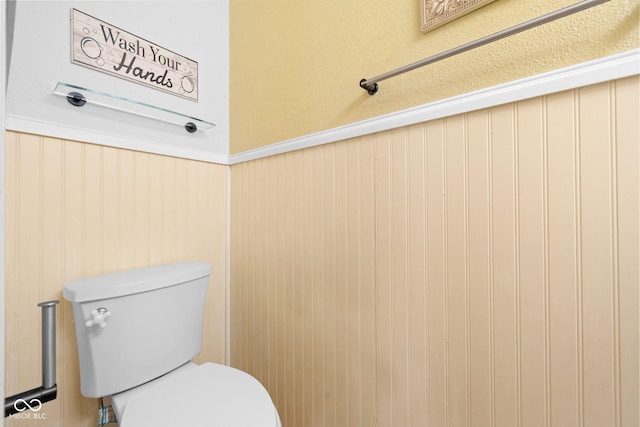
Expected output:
(3, 84)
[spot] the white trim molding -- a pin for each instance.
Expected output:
(604, 69)
(609, 68)
(28, 125)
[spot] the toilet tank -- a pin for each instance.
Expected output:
(154, 325)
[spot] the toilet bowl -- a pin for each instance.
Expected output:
(137, 332)
(197, 396)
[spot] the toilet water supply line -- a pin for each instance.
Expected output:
(34, 398)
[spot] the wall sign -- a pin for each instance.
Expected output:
(104, 47)
(438, 12)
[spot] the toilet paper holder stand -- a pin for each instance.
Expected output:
(34, 398)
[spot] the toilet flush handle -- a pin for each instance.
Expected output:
(98, 317)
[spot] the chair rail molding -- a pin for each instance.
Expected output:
(608, 68)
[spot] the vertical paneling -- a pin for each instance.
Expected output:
(416, 276)
(480, 286)
(456, 227)
(297, 416)
(329, 270)
(71, 400)
(76, 210)
(627, 135)
(594, 127)
(367, 282)
(400, 327)
(354, 330)
(384, 296)
(436, 301)
(531, 302)
(53, 263)
(478, 270)
(319, 277)
(503, 268)
(307, 283)
(563, 261)
(341, 324)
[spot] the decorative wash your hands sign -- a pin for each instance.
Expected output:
(104, 47)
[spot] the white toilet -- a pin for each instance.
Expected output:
(137, 332)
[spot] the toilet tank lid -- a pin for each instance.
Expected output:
(134, 281)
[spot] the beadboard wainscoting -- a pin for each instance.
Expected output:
(479, 269)
(76, 210)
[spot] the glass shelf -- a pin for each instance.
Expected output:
(78, 96)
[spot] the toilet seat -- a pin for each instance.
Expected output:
(199, 396)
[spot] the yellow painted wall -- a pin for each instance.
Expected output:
(75, 210)
(480, 269)
(295, 64)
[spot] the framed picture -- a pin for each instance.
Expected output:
(438, 12)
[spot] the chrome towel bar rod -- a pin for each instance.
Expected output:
(371, 85)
